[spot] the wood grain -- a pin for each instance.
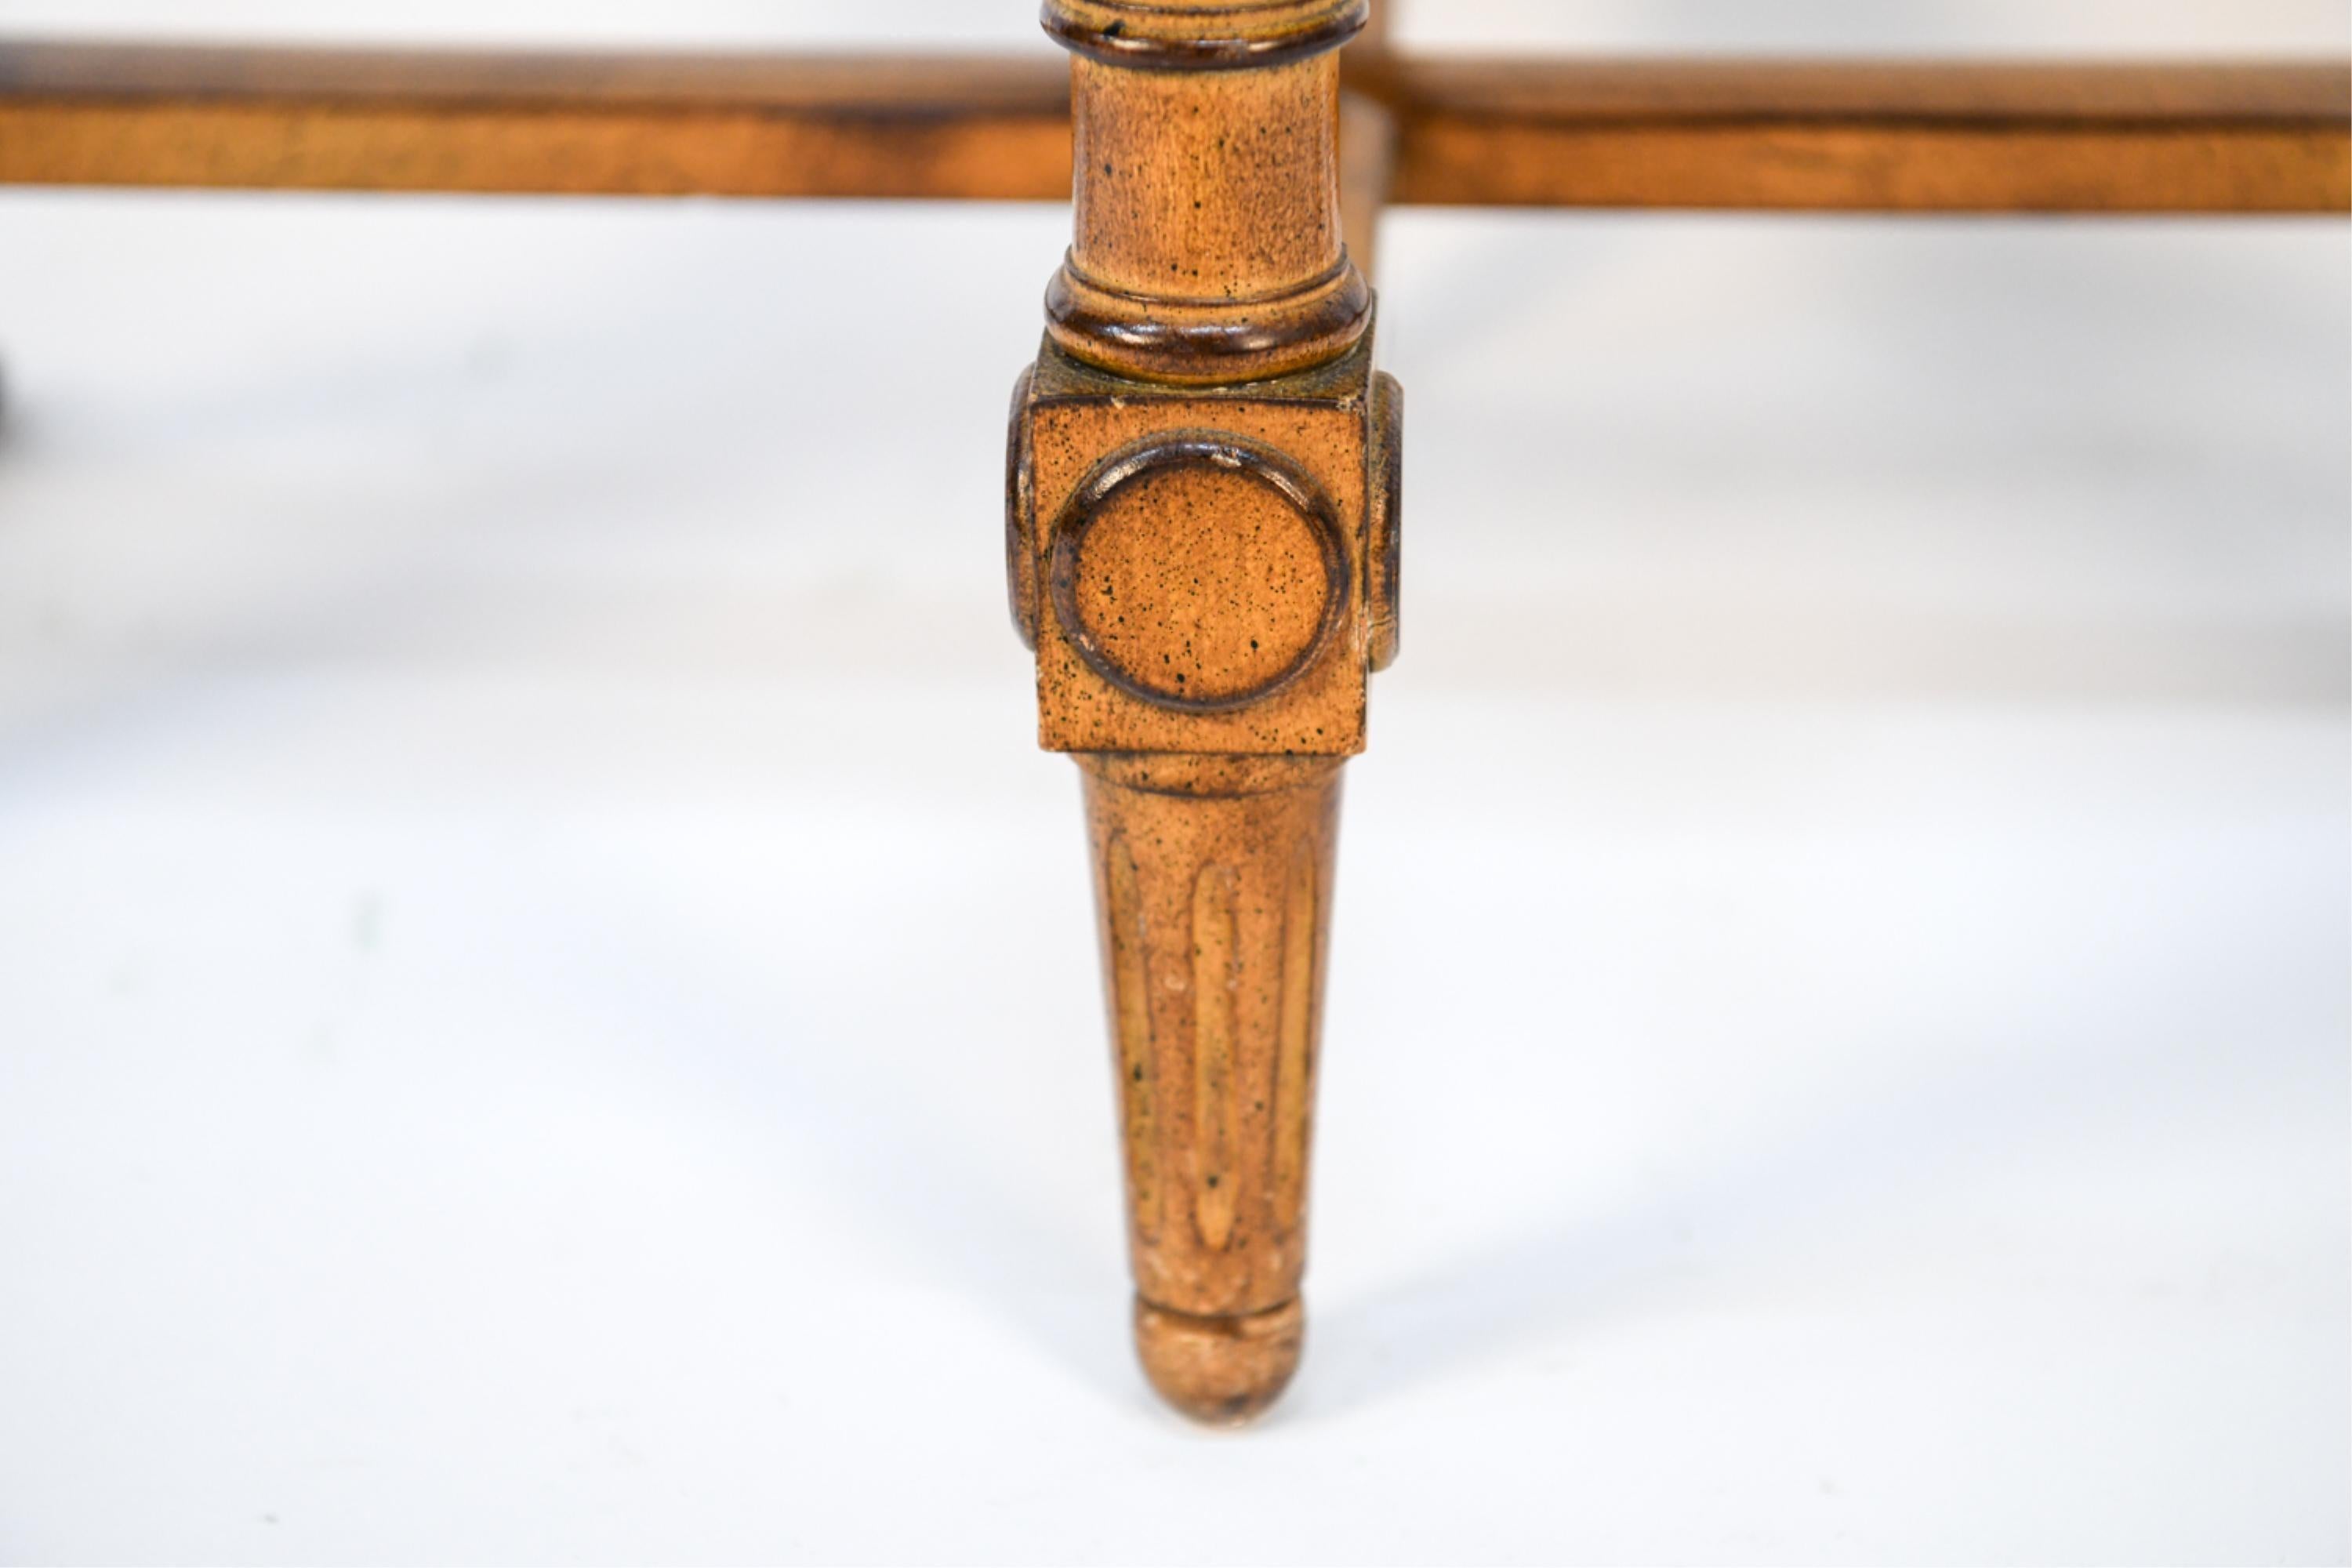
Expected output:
(1919, 136)
(882, 126)
(1213, 880)
(1198, 486)
(1864, 136)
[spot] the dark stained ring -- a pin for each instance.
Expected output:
(1144, 37)
(1230, 453)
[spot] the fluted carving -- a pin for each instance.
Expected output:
(1199, 535)
(1214, 883)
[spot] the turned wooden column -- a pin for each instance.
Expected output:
(1202, 550)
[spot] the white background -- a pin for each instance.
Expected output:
(548, 1006)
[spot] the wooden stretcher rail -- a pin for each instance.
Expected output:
(1875, 137)
(1888, 137)
(883, 126)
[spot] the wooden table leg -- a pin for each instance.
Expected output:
(1367, 142)
(1202, 506)
(1368, 154)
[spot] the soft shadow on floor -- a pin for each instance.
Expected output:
(850, 1108)
(1843, 1171)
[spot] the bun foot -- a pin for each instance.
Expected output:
(1221, 1372)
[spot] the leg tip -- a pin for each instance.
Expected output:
(1221, 1372)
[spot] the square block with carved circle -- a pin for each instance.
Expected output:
(1190, 564)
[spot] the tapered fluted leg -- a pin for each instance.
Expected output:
(1213, 879)
(1202, 550)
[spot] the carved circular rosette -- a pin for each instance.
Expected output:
(1203, 34)
(1205, 343)
(1157, 603)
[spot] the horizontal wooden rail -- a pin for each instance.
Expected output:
(551, 124)
(1875, 137)
(1896, 137)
